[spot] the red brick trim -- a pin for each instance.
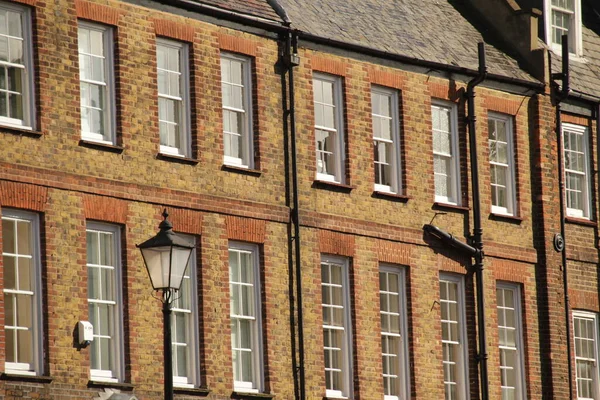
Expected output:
(173, 30)
(505, 251)
(104, 208)
(97, 12)
(386, 78)
(245, 229)
(443, 91)
(584, 300)
(143, 193)
(326, 64)
(185, 221)
(395, 253)
(23, 196)
(446, 264)
(237, 44)
(505, 270)
(336, 243)
(504, 106)
(573, 119)
(28, 2)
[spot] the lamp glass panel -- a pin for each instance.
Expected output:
(157, 262)
(179, 261)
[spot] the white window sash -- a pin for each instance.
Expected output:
(402, 362)
(462, 368)
(520, 384)
(453, 191)
(257, 385)
(246, 134)
(108, 108)
(511, 197)
(28, 101)
(338, 153)
(115, 374)
(34, 368)
(192, 378)
(184, 117)
(394, 163)
(346, 367)
(574, 30)
(595, 378)
(585, 190)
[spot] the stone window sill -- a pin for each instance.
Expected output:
(26, 378)
(241, 170)
(333, 186)
(101, 146)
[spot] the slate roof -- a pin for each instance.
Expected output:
(585, 75)
(428, 30)
(256, 8)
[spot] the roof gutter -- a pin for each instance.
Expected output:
(537, 86)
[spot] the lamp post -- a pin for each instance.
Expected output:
(166, 257)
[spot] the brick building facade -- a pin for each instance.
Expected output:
(302, 146)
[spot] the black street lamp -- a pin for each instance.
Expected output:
(166, 257)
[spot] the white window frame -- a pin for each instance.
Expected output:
(520, 392)
(346, 366)
(247, 135)
(595, 378)
(28, 92)
(509, 167)
(109, 108)
(453, 195)
(586, 194)
(183, 125)
(115, 374)
(394, 141)
(338, 153)
(462, 356)
(189, 291)
(401, 363)
(35, 367)
(574, 31)
(257, 383)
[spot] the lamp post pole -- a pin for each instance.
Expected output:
(168, 356)
(166, 257)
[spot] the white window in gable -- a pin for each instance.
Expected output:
(576, 162)
(386, 141)
(394, 343)
(173, 97)
(585, 326)
(245, 308)
(329, 132)
(104, 301)
(337, 332)
(236, 86)
(184, 327)
(96, 82)
(510, 340)
(454, 348)
(500, 139)
(22, 293)
(563, 17)
(16, 67)
(445, 152)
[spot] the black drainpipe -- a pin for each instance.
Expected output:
(291, 60)
(294, 62)
(477, 238)
(557, 97)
